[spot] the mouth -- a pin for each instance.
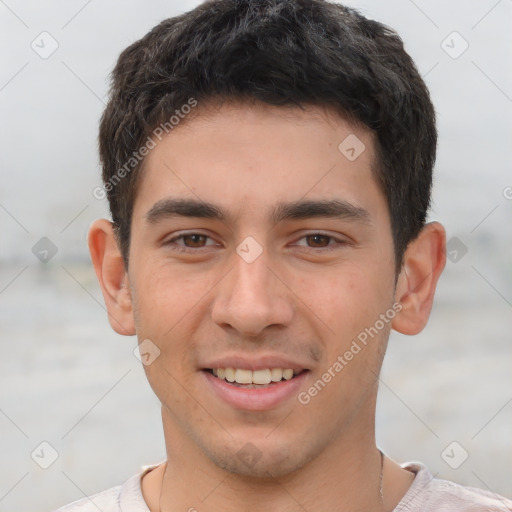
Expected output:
(253, 379)
(262, 389)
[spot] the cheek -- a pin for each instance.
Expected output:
(348, 302)
(168, 309)
(345, 300)
(167, 305)
(165, 294)
(355, 348)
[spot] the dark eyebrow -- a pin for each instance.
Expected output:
(171, 207)
(301, 209)
(334, 208)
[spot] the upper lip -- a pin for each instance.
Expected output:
(259, 363)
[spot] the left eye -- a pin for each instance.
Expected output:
(192, 240)
(318, 241)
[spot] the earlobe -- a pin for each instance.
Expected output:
(424, 262)
(110, 270)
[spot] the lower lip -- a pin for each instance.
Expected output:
(256, 399)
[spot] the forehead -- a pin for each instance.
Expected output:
(252, 155)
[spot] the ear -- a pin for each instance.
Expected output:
(424, 260)
(112, 276)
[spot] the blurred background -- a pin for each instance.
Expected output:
(76, 412)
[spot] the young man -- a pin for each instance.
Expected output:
(268, 166)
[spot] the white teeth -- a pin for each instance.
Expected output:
(229, 374)
(261, 377)
(287, 374)
(276, 374)
(243, 376)
(265, 376)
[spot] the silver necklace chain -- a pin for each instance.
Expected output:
(381, 493)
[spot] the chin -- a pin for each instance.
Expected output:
(262, 462)
(267, 467)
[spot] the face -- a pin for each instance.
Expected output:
(258, 246)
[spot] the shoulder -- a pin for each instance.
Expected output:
(122, 498)
(107, 501)
(432, 494)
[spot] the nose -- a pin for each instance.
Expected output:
(251, 298)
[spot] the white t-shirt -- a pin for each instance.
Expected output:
(426, 494)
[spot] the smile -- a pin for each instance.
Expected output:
(257, 377)
(255, 390)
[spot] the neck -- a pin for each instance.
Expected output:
(345, 476)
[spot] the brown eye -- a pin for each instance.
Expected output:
(194, 240)
(190, 243)
(318, 240)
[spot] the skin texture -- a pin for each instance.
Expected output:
(305, 298)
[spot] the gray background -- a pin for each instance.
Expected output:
(66, 378)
